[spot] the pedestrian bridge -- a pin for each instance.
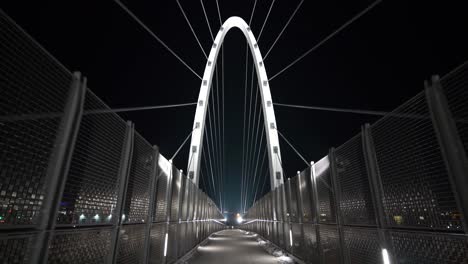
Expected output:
(78, 184)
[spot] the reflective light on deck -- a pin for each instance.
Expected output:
(290, 237)
(165, 245)
(386, 258)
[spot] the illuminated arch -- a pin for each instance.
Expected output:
(274, 154)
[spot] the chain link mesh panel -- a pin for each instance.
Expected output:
(362, 246)
(356, 198)
(429, 248)
(161, 201)
(15, 248)
(33, 91)
(158, 234)
(329, 243)
(417, 191)
(80, 246)
(327, 210)
(137, 197)
(90, 194)
(131, 244)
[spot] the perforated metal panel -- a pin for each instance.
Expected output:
(160, 209)
(310, 252)
(356, 198)
(158, 234)
(185, 198)
(327, 211)
(172, 243)
(291, 189)
(176, 192)
(329, 243)
(33, 91)
(80, 246)
(429, 248)
(417, 190)
(131, 243)
(362, 246)
(90, 194)
(182, 239)
(137, 198)
(305, 189)
(298, 246)
(16, 248)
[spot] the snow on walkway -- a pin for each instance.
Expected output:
(232, 246)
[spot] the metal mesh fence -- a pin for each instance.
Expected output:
(90, 194)
(113, 173)
(362, 245)
(416, 187)
(33, 92)
(384, 196)
(356, 198)
(80, 246)
(131, 244)
(138, 187)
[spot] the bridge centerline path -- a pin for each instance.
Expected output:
(232, 246)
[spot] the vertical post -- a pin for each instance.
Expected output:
(300, 197)
(152, 200)
(59, 164)
(337, 197)
(450, 143)
(124, 171)
(288, 232)
(376, 188)
(316, 212)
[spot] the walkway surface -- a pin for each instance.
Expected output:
(232, 246)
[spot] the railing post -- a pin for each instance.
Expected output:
(450, 143)
(316, 212)
(124, 173)
(288, 221)
(152, 200)
(337, 197)
(376, 188)
(58, 167)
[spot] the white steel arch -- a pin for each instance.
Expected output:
(274, 153)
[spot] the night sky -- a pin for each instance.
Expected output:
(377, 63)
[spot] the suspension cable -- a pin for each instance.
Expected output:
(256, 166)
(209, 155)
(251, 147)
(191, 28)
(334, 109)
(244, 159)
(266, 19)
(253, 11)
(255, 145)
(263, 186)
(181, 145)
(295, 150)
(130, 13)
(206, 18)
(284, 28)
(349, 22)
(243, 126)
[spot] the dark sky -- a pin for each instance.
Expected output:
(377, 63)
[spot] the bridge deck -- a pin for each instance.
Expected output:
(232, 246)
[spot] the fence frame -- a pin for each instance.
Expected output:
(450, 143)
(58, 167)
